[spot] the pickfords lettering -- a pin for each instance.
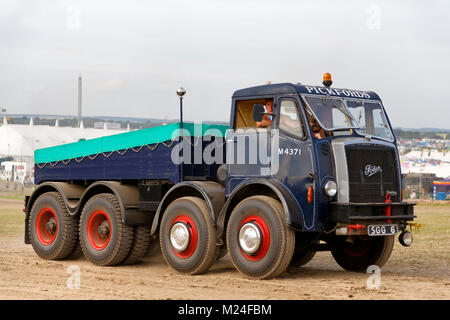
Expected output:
(338, 92)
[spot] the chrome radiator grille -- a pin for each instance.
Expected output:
(372, 173)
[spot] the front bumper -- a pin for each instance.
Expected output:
(351, 212)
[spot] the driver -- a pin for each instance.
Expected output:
(267, 118)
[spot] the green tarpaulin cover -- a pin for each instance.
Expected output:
(126, 140)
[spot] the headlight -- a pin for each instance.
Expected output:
(330, 188)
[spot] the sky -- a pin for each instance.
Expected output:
(133, 55)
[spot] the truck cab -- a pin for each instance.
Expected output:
(333, 156)
(337, 155)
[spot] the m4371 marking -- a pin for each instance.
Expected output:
(290, 151)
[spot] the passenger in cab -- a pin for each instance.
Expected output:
(317, 130)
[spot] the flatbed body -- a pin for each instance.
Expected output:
(141, 155)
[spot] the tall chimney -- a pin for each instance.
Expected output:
(79, 99)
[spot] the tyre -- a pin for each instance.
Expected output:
(104, 239)
(52, 230)
(141, 242)
(77, 252)
(187, 236)
(303, 252)
(300, 258)
(154, 247)
(259, 242)
(362, 252)
(221, 252)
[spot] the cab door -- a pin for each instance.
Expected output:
(249, 148)
(295, 156)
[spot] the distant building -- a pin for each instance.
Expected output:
(15, 171)
(20, 141)
(418, 183)
(107, 125)
(441, 189)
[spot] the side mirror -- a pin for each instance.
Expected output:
(258, 112)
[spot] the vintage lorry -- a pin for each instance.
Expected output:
(331, 182)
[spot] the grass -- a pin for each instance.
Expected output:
(436, 219)
(12, 219)
(434, 204)
(12, 196)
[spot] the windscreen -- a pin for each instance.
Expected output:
(371, 119)
(331, 113)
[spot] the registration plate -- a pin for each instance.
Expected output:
(382, 230)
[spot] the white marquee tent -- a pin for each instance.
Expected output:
(426, 162)
(20, 141)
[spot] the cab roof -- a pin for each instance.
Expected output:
(290, 88)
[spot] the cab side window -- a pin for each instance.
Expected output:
(290, 120)
(244, 111)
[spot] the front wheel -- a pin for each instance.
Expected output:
(358, 253)
(301, 258)
(259, 241)
(304, 249)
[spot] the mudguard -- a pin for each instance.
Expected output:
(212, 192)
(251, 187)
(70, 193)
(127, 195)
(76, 196)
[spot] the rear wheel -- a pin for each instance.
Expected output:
(358, 253)
(141, 243)
(104, 239)
(221, 252)
(188, 236)
(77, 252)
(259, 242)
(53, 231)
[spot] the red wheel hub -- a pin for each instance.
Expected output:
(185, 223)
(46, 226)
(264, 234)
(99, 230)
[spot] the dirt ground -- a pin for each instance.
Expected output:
(419, 272)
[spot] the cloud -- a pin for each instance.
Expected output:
(134, 56)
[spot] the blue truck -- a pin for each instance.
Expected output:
(328, 180)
